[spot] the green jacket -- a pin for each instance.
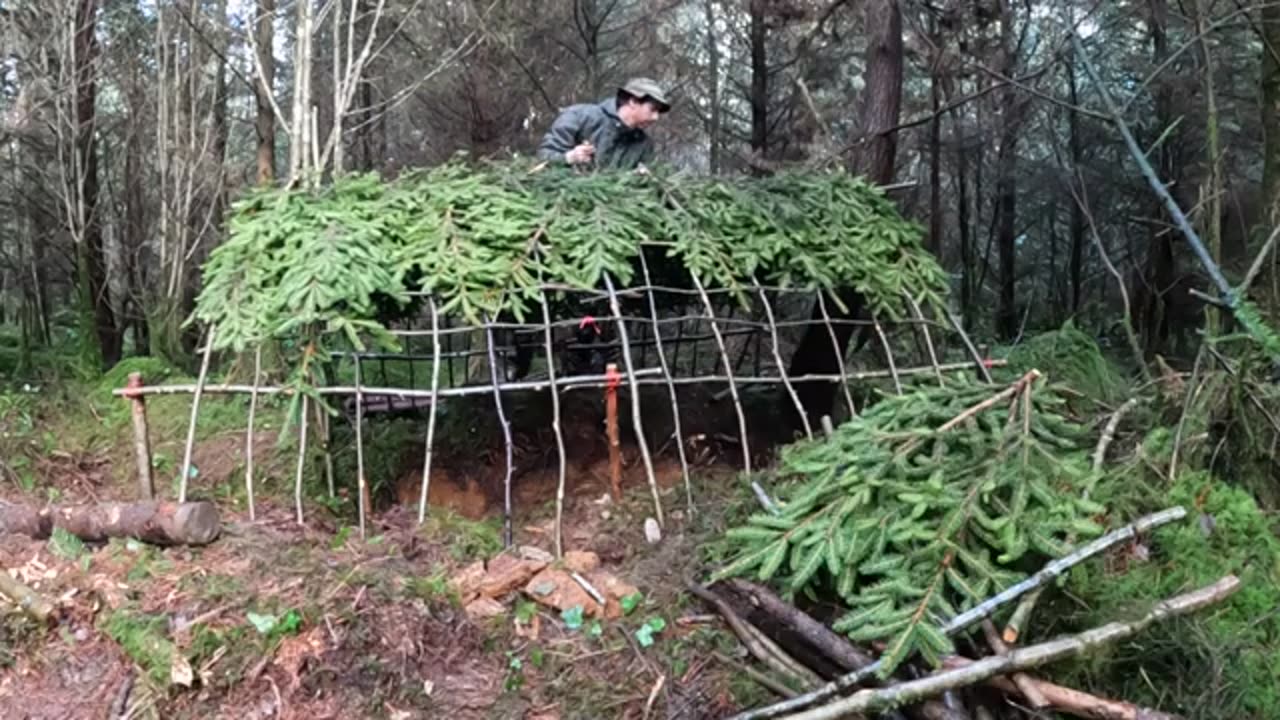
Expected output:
(617, 146)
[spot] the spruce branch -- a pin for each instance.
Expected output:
(986, 609)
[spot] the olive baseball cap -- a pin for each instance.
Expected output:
(647, 89)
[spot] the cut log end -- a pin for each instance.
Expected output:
(197, 522)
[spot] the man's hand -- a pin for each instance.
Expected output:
(584, 153)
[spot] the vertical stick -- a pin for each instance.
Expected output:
(611, 430)
(671, 385)
(322, 424)
(728, 371)
(636, 420)
(968, 343)
(302, 457)
(928, 339)
(555, 423)
(141, 438)
(248, 436)
(195, 412)
(506, 433)
(782, 365)
(435, 400)
(362, 486)
(888, 354)
(835, 348)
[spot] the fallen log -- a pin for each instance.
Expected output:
(158, 523)
(28, 600)
(815, 633)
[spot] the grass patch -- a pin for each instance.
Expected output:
(144, 639)
(467, 539)
(432, 588)
(1218, 664)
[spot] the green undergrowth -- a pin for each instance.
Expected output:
(1073, 358)
(1220, 663)
(468, 539)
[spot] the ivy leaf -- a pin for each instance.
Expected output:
(572, 617)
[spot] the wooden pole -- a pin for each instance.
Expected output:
(671, 386)
(782, 365)
(555, 423)
(835, 348)
(637, 422)
(248, 437)
(888, 355)
(507, 531)
(728, 371)
(302, 457)
(435, 402)
(195, 412)
(362, 485)
(611, 429)
(141, 438)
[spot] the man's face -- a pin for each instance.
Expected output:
(639, 113)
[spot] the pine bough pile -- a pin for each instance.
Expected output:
(487, 239)
(923, 507)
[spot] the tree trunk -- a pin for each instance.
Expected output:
(882, 91)
(218, 153)
(759, 83)
(935, 159)
(92, 266)
(265, 120)
(1077, 212)
(160, 523)
(882, 102)
(134, 237)
(1271, 138)
(1162, 266)
(1006, 185)
(713, 70)
(1212, 190)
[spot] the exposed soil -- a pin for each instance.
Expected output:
(379, 636)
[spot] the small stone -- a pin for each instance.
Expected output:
(466, 583)
(555, 589)
(507, 573)
(614, 589)
(605, 514)
(483, 608)
(581, 561)
(537, 554)
(652, 532)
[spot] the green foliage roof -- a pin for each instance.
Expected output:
(479, 238)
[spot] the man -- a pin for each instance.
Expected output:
(609, 134)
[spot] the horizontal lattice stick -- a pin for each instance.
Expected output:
(569, 382)
(531, 328)
(646, 376)
(984, 610)
(636, 290)
(510, 350)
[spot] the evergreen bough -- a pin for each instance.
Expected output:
(342, 261)
(910, 518)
